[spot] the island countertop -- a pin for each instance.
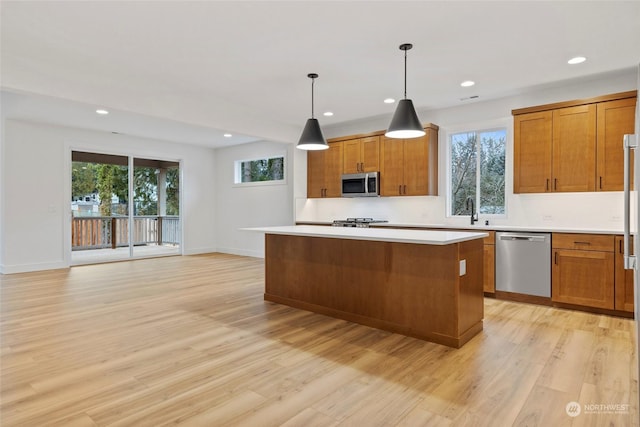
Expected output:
(422, 237)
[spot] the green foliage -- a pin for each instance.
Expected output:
(467, 180)
(107, 180)
(262, 170)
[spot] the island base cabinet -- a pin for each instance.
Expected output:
(411, 289)
(623, 279)
(583, 278)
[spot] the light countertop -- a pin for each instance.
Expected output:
(421, 237)
(480, 227)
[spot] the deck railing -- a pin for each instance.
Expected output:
(111, 232)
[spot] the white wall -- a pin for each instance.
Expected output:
(36, 190)
(602, 211)
(239, 206)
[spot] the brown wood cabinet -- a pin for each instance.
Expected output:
(572, 146)
(615, 119)
(583, 270)
(409, 167)
(361, 155)
(574, 149)
(324, 171)
(624, 296)
(489, 259)
(532, 152)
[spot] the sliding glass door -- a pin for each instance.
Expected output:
(156, 207)
(108, 224)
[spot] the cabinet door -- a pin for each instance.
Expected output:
(624, 280)
(583, 278)
(352, 156)
(333, 170)
(391, 167)
(489, 275)
(532, 152)
(315, 173)
(416, 167)
(574, 148)
(615, 119)
(370, 154)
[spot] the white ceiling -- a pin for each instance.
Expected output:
(192, 70)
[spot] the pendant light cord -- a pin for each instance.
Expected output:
(313, 80)
(405, 74)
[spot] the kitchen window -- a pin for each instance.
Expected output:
(477, 170)
(260, 171)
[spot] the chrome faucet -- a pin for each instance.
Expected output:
(474, 214)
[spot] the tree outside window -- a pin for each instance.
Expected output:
(477, 171)
(260, 170)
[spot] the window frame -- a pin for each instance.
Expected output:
(478, 128)
(237, 174)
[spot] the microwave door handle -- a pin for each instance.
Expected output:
(366, 183)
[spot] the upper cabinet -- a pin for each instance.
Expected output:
(615, 119)
(573, 163)
(409, 167)
(532, 152)
(324, 170)
(361, 155)
(572, 146)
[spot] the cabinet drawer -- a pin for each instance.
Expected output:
(584, 242)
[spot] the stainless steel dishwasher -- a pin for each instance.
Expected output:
(523, 263)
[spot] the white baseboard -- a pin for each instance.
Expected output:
(241, 252)
(198, 251)
(27, 268)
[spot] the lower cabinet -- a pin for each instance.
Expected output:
(623, 280)
(583, 270)
(489, 276)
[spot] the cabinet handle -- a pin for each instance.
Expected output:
(555, 184)
(400, 189)
(358, 167)
(547, 189)
(404, 189)
(555, 255)
(601, 183)
(620, 247)
(581, 243)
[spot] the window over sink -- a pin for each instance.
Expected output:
(476, 164)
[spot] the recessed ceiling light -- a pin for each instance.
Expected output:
(576, 60)
(327, 113)
(227, 135)
(467, 83)
(101, 111)
(389, 101)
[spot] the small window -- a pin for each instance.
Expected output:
(477, 166)
(269, 170)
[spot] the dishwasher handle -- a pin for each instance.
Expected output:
(523, 237)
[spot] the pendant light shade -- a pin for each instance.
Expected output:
(312, 138)
(405, 123)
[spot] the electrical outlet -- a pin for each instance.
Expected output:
(463, 267)
(616, 218)
(547, 217)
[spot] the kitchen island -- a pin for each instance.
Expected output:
(424, 284)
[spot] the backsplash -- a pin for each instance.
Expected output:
(600, 211)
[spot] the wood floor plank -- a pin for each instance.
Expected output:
(190, 341)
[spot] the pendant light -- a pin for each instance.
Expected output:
(405, 123)
(312, 138)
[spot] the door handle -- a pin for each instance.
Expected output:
(400, 189)
(404, 188)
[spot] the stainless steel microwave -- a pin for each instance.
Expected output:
(361, 184)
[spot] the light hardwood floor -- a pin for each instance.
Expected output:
(190, 341)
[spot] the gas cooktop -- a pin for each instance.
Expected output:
(356, 222)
